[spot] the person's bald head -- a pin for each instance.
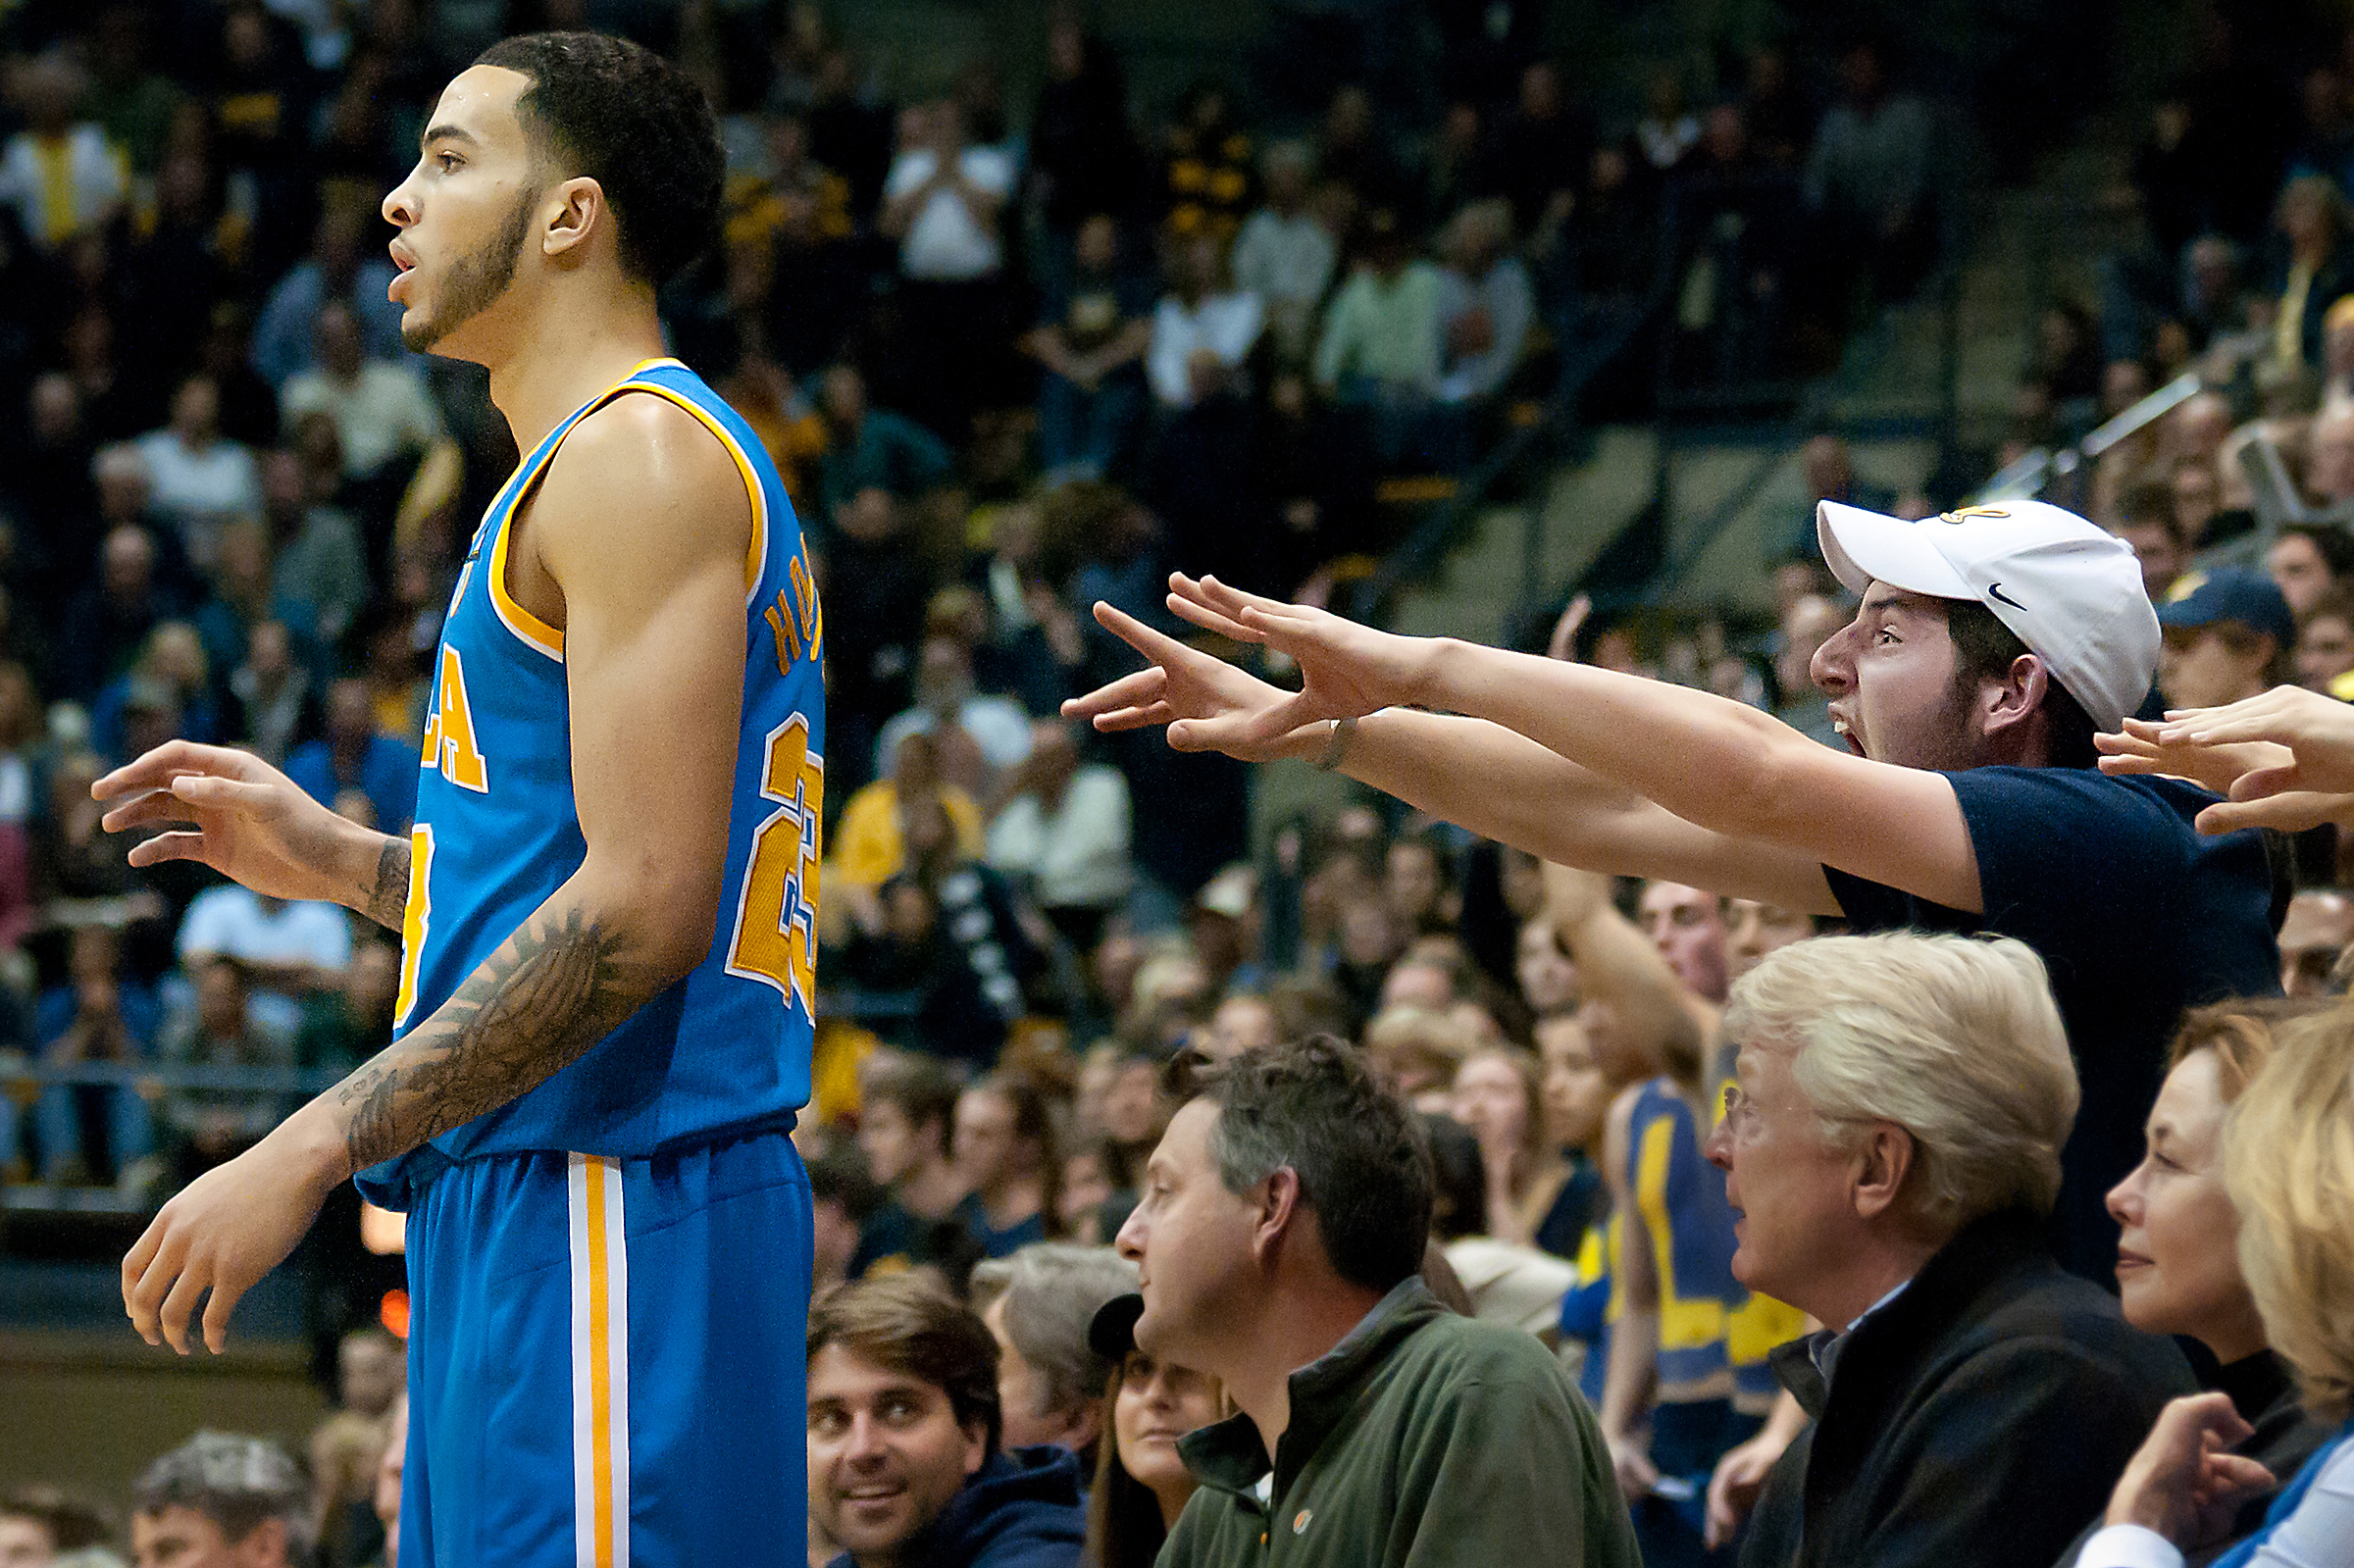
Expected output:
(128, 561)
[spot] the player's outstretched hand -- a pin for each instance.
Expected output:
(220, 1234)
(1348, 670)
(1207, 705)
(235, 813)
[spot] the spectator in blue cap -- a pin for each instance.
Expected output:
(2228, 635)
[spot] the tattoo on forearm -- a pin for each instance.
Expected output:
(556, 987)
(387, 897)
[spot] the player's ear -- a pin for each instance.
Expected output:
(571, 213)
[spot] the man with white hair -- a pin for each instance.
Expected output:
(1892, 1146)
(1988, 646)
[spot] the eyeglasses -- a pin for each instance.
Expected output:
(1738, 1114)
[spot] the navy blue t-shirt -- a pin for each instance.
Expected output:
(2136, 917)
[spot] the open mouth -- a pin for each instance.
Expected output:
(1847, 732)
(403, 264)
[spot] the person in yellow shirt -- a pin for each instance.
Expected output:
(870, 845)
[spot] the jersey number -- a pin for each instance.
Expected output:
(776, 917)
(415, 916)
(450, 730)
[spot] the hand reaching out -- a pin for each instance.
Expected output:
(2142, 748)
(2285, 758)
(1348, 670)
(2317, 729)
(1186, 690)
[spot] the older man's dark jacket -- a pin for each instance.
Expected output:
(1979, 1417)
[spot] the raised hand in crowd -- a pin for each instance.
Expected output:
(1208, 703)
(1562, 644)
(2284, 758)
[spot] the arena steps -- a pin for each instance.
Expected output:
(2027, 247)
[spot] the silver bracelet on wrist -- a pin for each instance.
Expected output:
(1336, 743)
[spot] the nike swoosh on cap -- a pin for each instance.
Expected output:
(1996, 590)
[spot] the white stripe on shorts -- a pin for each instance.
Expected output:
(601, 1366)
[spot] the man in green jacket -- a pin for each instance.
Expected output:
(1279, 1243)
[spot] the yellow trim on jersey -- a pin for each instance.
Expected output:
(537, 633)
(518, 620)
(1684, 1324)
(755, 560)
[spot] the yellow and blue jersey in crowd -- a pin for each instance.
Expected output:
(1710, 1326)
(1591, 1305)
(497, 830)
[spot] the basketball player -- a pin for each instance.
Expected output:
(603, 1027)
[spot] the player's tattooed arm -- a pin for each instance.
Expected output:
(385, 895)
(557, 987)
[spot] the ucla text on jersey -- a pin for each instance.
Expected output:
(497, 830)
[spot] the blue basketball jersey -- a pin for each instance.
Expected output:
(497, 830)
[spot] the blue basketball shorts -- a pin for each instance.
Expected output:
(606, 1360)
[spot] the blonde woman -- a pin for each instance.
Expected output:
(2288, 1165)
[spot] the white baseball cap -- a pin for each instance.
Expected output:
(2069, 590)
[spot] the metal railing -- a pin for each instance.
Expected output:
(2033, 473)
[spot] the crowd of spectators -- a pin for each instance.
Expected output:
(1335, 1341)
(1008, 367)
(1385, 1074)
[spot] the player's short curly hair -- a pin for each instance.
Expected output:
(633, 122)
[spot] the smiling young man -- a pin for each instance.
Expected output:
(604, 1024)
(905, 1468)
(1989, 646)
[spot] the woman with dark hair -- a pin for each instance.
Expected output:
(1141, 1485)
